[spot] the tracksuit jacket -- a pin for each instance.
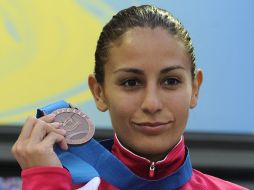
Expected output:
(57, 178)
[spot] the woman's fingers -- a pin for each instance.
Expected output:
(41, 129)
(30, 123)
(18, 152)
(30, 154)
(27, 128)
(53, 138)
(48, 118)
(42, 153)
(55, 125)
(34, 146)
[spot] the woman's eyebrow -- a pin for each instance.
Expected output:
(129, 70)
(139, 71)
(168, 69)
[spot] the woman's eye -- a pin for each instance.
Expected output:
(131, 83)
(171, 82)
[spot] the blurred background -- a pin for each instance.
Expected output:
(47, 51)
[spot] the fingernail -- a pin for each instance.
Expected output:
(62, 131)
(51, 115)
(56, 124)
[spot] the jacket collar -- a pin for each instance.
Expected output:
(145, 168)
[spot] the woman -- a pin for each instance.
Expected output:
(145, 75)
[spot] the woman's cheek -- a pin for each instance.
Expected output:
(127, 103)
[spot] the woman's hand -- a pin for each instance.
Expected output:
(34, 146)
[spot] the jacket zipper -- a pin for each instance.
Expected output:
(151, 170)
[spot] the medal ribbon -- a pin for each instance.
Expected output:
(92, 159)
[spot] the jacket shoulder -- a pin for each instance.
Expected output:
(203, 181)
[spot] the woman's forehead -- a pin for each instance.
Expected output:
(135, 35)
(145, 45)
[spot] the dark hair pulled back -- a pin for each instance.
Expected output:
(142, 16)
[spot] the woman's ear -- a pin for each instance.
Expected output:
(195, 87)
(98, 93)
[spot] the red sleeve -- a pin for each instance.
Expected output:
(46, 178)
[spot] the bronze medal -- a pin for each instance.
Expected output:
(78, 126)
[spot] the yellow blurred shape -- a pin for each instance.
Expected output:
(46, 52)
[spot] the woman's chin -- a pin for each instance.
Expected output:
(152, 151)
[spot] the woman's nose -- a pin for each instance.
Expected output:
(152, 101)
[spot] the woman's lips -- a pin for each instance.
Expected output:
(152, 128)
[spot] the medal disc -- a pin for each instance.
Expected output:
(78, 126)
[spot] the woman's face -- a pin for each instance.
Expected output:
(148, 90)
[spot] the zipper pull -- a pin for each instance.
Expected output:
(151, 170)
